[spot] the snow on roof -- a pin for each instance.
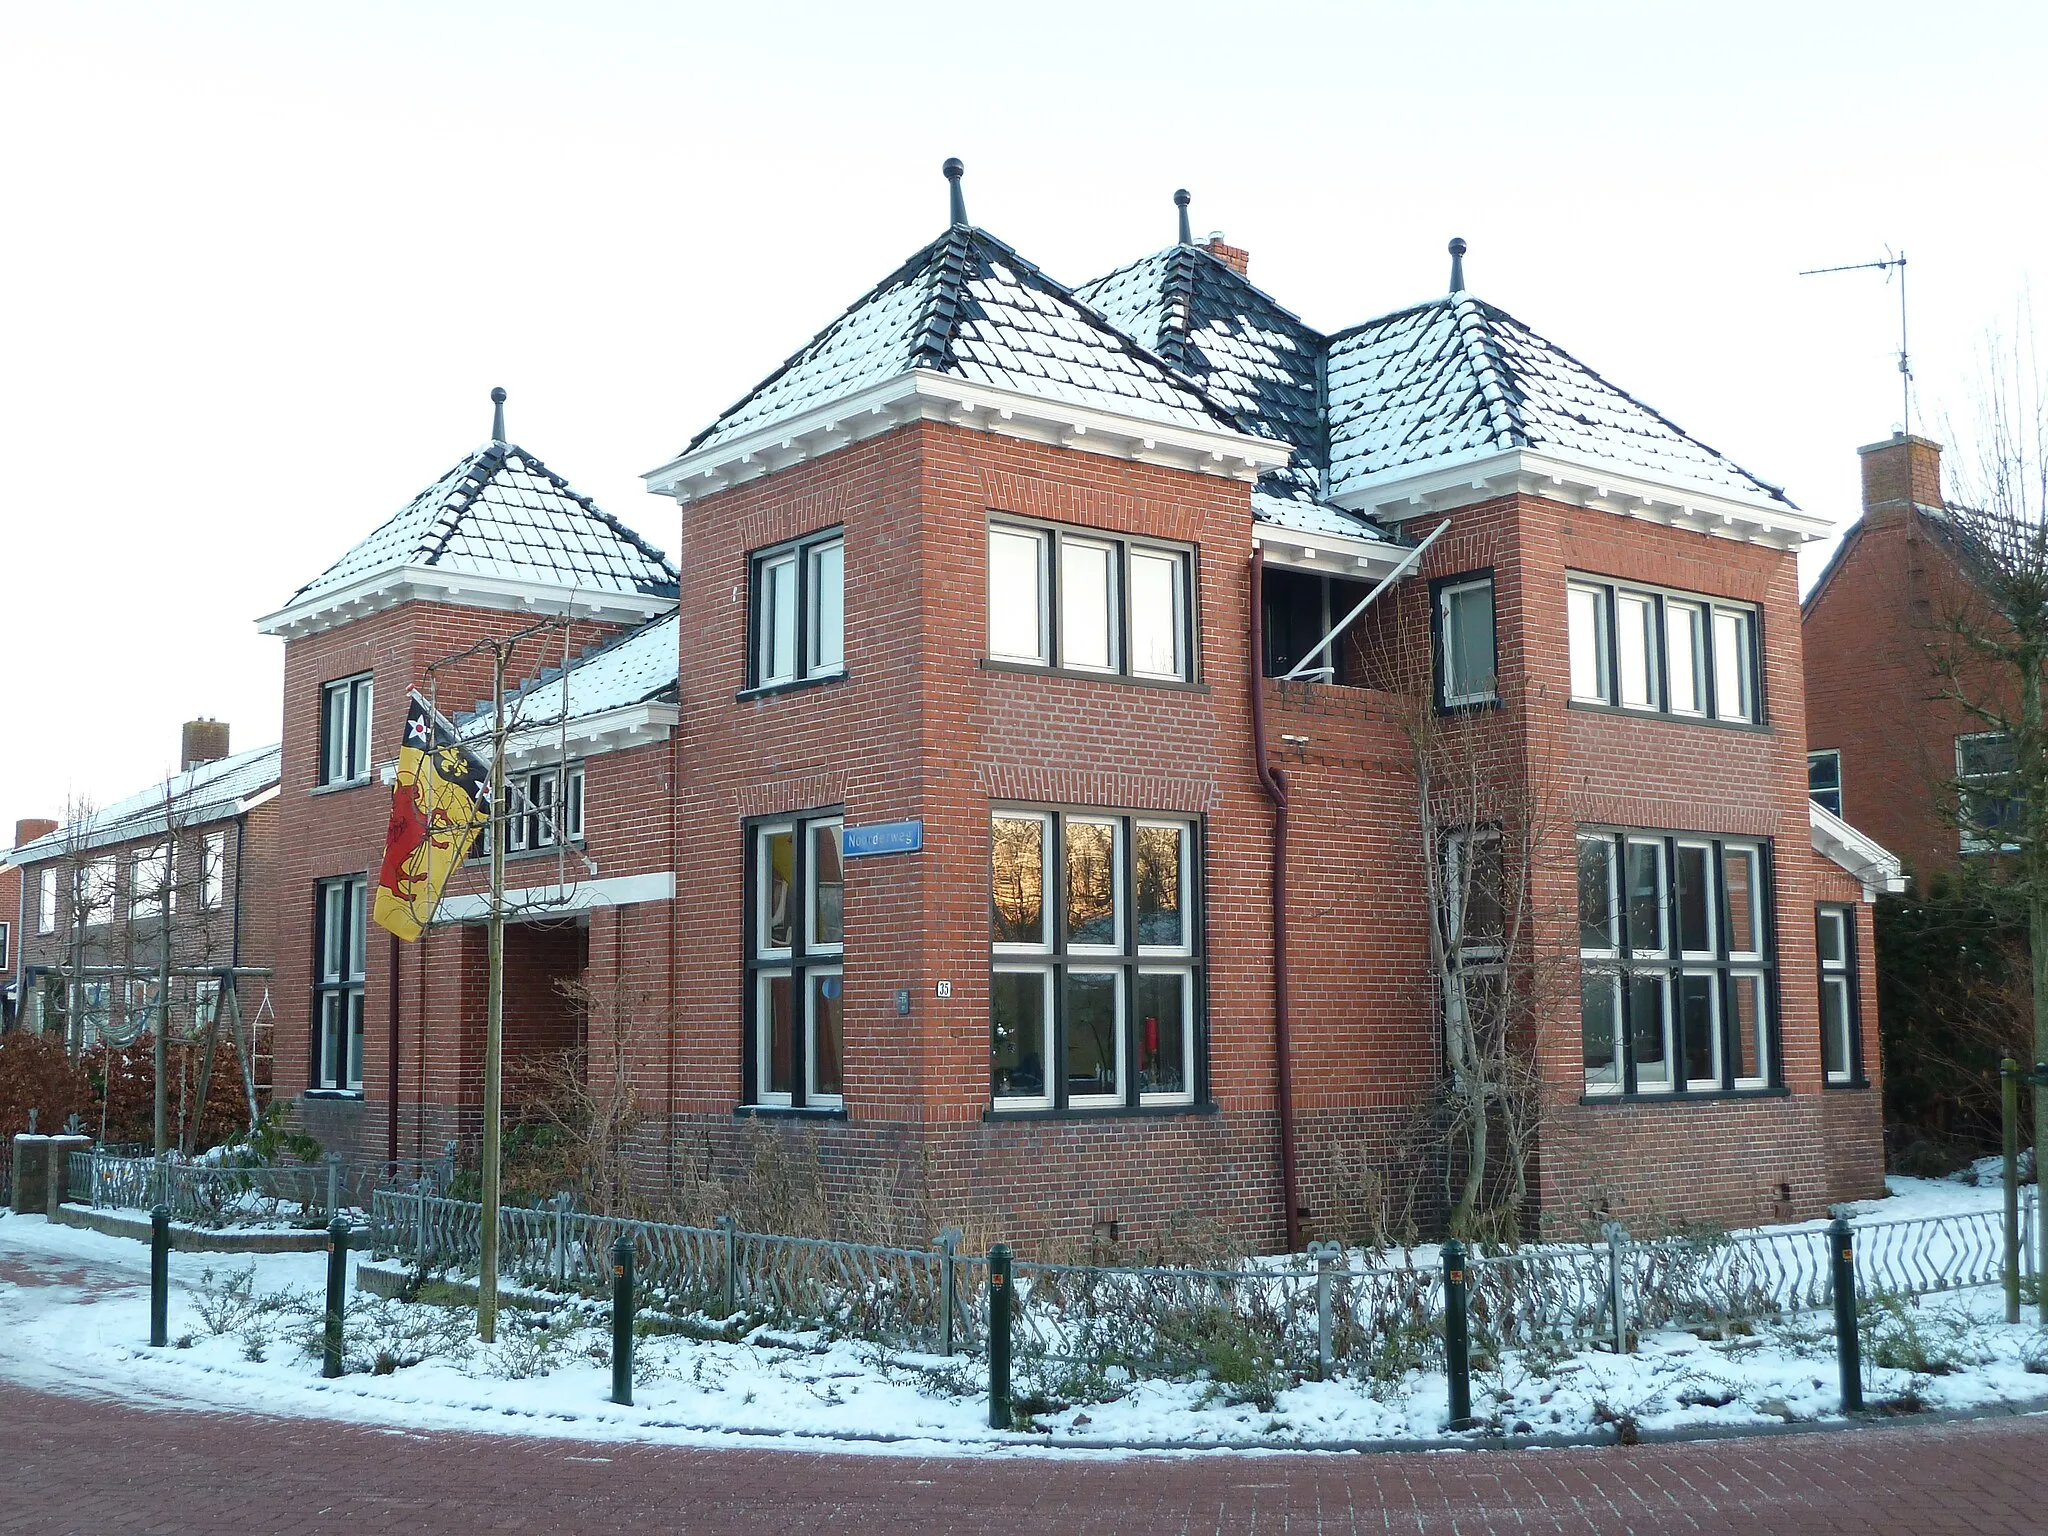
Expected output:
(501, 512)
(1205, 318)
(970, 306)
(634, 668)
(1457, 377)
(206, 792)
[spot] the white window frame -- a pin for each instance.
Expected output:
(802, 961)
(1838, 978)
(46, 899)
(1053, 647)
(1046, 1008)
(1593, 605)
(94, 890)
(1814, 759)
(347, 709)
(6, 945)
(809, 620)
(149, 883)
(1120, 1003)
(1449, 661)
(340, 967)
(213, 871)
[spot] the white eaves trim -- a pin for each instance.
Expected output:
(261, 797)
(634, 725)
(921, 395)
(1857, 852)
(425, 583)
(537, 903)
(1415, 490)
(1327, 554)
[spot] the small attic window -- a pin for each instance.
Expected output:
(1300, 608)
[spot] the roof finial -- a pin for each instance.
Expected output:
(498, 414)
(1181, 201)
(1457, 265)
(954, 171)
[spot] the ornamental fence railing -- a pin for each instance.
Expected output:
(1335, 1316)
(226, 1192)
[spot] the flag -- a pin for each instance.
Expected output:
(442, 802)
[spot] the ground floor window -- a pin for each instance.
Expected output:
(1675, 963)
(340, 952)
(796, 970)
(1840, 1034)
(1095, 990)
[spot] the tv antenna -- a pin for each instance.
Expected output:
(1905, 366)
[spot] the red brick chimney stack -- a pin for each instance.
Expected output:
(28, 830)
(1239, 261)
(1898, 474)
(202, 741)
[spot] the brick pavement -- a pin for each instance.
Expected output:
(81, 1464)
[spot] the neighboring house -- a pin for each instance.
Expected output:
(198, 846)
(11, 910)
(1887, 743)
(929, 809)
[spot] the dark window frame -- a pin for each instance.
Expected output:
(1851, 973)
(1128, 960)
(346, 985)
(1054, 661)
(358, 749)
(799, 550)
(801, 961)
(1611, 590)
(1816, 792)
(1439, 588)
(1332, 606)
(1677, 962)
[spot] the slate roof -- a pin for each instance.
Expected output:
(1206, 319)
(206, 792)
(1457, 378)
(969, 306)
(502, 512)
(638, 667)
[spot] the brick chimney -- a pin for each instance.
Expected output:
(29, 830)
(1239, 261)
(1898, 474)
(202, 741)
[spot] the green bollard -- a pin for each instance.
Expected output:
(337, 1295)
(159, 1277)
(999, 1308)
(2009, 1106)
(1457, 1336)
(1848, 1348)
(622, 1321)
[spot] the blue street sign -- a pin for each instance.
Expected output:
(885, 837)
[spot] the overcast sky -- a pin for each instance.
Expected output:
(262, 263)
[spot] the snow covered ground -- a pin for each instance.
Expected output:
(74, 1317)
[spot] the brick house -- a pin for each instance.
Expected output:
(200, 845)
(942, 791)
(11, 886)
(1887, 750)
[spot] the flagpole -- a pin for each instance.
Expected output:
(494, 1018)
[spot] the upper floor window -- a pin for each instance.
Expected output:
(92, 893)
(798, 611)
(1987, 800)
(1659, 652)
(545, 810)
(1836, 945)
(1089, 603)
(213, 873)
(46, 900)
(796, 974)
(1465, 642)
(340, 953)
(1095, 974)
(1301, 608)
(1674, 963)
(1824, 779)
(345, 730)
(149, 883)
(6, 944)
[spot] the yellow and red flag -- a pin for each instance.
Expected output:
(443, 800)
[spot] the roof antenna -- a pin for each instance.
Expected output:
(1890, 264)
(1457, 264)
(498, 414)
(954, 171)
(1181, 201)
